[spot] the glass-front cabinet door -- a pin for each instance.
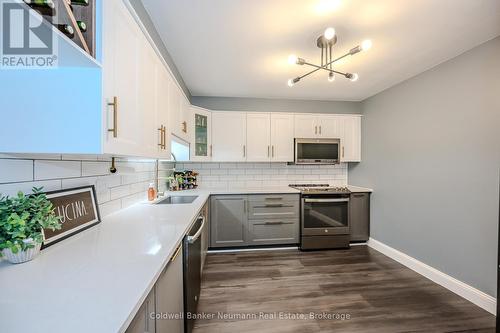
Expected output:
(201, 147)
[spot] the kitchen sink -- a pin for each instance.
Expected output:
(177, 199)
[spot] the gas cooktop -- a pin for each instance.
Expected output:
(320, 188)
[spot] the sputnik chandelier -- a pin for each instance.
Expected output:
(326, 42)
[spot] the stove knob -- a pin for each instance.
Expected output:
(326, 230)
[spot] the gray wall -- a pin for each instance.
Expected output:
(146, 20)
(431, 151)
(274, 105)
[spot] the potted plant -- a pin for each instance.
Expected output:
(22, 220)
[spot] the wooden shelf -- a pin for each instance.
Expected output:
(66, 14)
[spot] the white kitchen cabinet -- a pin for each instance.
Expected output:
(148, 99)
(351, 139)
(282, 137)
(201, 134)
(121, 55)
(258, 139)
(305, 126)
(186, 120)
(330, 126)
(163, 131)
(135, 87)
(318, 126)
(174, 107)
(229, 136)
(179, 112)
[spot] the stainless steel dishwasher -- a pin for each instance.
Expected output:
(192, 271)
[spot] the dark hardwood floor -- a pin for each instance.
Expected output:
(377, 293)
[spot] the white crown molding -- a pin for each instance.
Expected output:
(460, 288)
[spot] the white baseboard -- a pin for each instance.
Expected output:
(460, 288)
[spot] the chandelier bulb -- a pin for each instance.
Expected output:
(366, 45)
(353, 77)
(331, 77)
(292, 59)
(329, 33)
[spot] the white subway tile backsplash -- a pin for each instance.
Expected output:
(120, 192)
(95, 168)
(57, 169)
(22, 172)
(219, 172)
(15, 170)
(110, 207)
(13, 188)
(236, 171)
(77, 182)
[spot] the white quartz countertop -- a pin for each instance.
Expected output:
(95, 281)
(358, 189)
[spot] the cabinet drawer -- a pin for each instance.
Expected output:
(270, 232)
(273, 210)
(273, 198)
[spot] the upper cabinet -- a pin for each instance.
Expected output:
(347, 128)
(270, 137)
(201, 134)
(179, 112)
(318, 126)
(229, 136)
(351, 139)
(258, 137)
(135, 88)
(252, 136)
(282, 139)
(121, 107)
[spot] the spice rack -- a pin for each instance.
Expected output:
(74, 18)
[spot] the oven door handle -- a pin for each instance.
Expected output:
(326, 200)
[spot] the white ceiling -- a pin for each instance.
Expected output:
(239, 48)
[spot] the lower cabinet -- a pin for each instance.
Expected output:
(228, 220)
(243, 220)
(142, 322)
(162, 310)
(170, 297)
(359, 214)
(269, 232)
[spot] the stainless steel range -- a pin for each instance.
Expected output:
(325, 216)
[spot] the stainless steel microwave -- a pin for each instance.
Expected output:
(317, 151)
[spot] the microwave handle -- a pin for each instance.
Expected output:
(326, 200)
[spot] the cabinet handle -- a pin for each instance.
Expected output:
(315, 129)
(320, 130)
(176, 253)
(268, 148)
(358, 195)
(244, 151)
(272, 151)
(342, 151)
(274, 223)
(161, 137)
(211, 151)
(114, 104)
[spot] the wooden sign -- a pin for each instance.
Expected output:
(77, 209)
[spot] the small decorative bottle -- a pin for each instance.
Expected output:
(151, 192)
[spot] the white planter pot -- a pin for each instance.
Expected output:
(22, 256)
